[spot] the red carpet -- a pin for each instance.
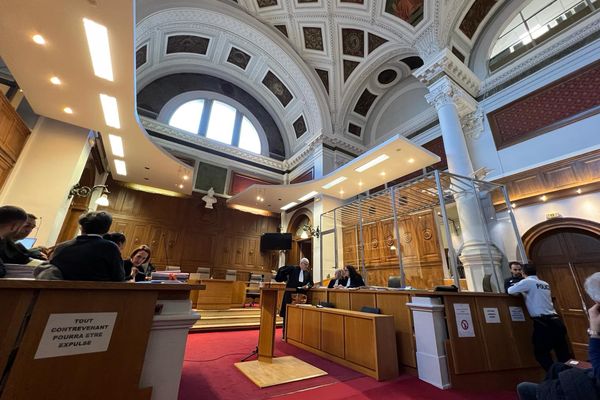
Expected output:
(209, 373)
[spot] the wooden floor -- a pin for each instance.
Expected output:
(232, 319)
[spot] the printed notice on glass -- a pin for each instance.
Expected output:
(516, 314)
(464, 322)
(492, 316)
(76, 333)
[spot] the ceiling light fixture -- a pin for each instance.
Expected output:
(55, 80)
(289, 205)
(111, 111)
(121, 167)
(411, 160)
(543, 198)
(334, 182)
(372, 163)
(180, 186)
(186, 177)
(97, 38)
(578, 191)
(308, 196)
(39, 39)
(116, 145)
(68, 110)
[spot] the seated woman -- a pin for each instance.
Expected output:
(133, 267)
(338, 279)
(354, 278)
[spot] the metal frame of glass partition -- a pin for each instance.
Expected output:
(432, 191)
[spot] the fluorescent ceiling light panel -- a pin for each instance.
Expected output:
(308, 196)
(111, 111)
(372, 163)
(288, 206)
(97, 38)
(334, 182)
(120, 167)
(116, 144)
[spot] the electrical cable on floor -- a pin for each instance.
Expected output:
(218, 358)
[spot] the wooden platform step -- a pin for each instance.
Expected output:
(232, 319)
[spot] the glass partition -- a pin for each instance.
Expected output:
(436, 230)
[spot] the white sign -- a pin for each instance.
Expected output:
(464, 322)
(516, 314)
(492, 316)
(76, 333)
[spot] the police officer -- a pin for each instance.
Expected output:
(549, 332)
(516, 274)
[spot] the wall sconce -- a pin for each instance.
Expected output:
(86, 191)
(311, 231)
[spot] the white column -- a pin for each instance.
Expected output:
(452, 103)
(51, 162)
(430, 335)
(166, 347)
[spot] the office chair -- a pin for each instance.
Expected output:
(253, 288)
(395, 281)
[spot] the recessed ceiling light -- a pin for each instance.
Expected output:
(121, 167)
(308, 196)
(97, 38)
(111, 111)
(39, 39)
(372, 163)
(186, 177)
(411, 160)
(181, 186)
(341, 192)
(116, 144)
(334, 182)
(55, 80)
(360, 183)
(513, 205)
(578, 191)
(68, 110)
(382, 173)
(543, 198)
(289, 205)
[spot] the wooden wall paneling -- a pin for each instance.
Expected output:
(197, 251)
(388, 239)
(15, 304)
(315, 296)
(350, 245)
(5, 168)
(359, 300)
(293, 321)
(311, 328)
(340, 299)
(468, 353)
(331, 342)
(13, 136)
(395, 304)
(357, 333)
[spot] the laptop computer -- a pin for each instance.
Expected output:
(27, 242)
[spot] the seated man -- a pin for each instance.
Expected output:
(15, 253)
(11, 220)
(89, 257)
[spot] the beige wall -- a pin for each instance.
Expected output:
(50, 164)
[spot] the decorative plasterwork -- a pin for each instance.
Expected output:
(472, 124)
(445, 92)
(446, 63)
(317, 142)
(229, 26)
(562, 41)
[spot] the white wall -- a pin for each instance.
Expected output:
(51, 162)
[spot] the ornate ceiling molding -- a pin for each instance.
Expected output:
(446, 63)
(229, 26)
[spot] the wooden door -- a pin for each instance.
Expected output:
(565, 258)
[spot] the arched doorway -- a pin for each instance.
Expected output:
(302, 242)
(566, 252)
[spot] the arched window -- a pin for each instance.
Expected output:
(217, 121)
(536, 22)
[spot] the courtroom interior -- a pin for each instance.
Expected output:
(300, 199)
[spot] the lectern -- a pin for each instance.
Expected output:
(269, 370)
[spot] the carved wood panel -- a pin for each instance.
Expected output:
(13, 136)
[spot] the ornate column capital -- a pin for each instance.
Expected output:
(445, 91)
(445, 63)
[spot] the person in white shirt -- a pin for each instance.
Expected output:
(549, 332)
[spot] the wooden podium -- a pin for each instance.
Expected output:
(269, 370)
